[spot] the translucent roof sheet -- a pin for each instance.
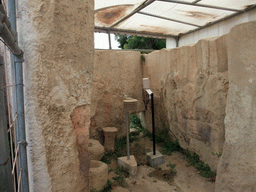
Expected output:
(164, 17)
(233, 4)
(155, 25)
(186, 13)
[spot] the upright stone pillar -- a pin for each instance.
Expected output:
(237, 167)
(58, 43)
(109, 138)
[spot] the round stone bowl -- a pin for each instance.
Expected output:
(98, 175)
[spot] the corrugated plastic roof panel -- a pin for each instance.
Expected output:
(149, 24)
(164, 17)
(105, 17)
(186, 13)
(234, 4)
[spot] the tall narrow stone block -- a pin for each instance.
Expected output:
(237, 167)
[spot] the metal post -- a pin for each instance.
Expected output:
(109, 40)
(177, 41)
(153, 124)
(127, 134)
(21, 123)
(20, 103)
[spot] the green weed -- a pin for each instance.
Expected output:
(162, 134)
(169, 146)
(122, 173)
(172, 167)
(135, 121)
(194, 160)
(108, 187)
(108, 156)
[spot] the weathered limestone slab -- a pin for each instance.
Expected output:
(116, 74)
(58, 44)
(96, 150)
(237, 167)
(190, 87)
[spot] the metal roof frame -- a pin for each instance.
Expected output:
(165, 18)
(131, 32)
(138, 10)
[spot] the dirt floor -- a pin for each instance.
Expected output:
(161, 179)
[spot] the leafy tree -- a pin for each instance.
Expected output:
(135, 42)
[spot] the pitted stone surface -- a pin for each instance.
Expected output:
(96, 150)
(109, 138)
(58, 44)
(237, 168)
(98, 175)
(116, 74)
(190, 86)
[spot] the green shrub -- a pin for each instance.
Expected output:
(169, 146)
(135, 121)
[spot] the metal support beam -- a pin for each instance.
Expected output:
(5, 19)
(177, 39)
(201, 5)
(7, 32)
(9, 39)
(21, 122)
(127, 120)
(153, 123)
(142, 6)
(161, 35)
(196, 1)
(131, 32)
(109, 40)
(165, 18)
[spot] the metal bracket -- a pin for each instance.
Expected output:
(23, 143)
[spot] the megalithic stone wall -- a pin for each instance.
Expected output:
(237, 167)
(116, 74)
(58, 44)
(190, 84)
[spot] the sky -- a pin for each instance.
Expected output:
(101, 41)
